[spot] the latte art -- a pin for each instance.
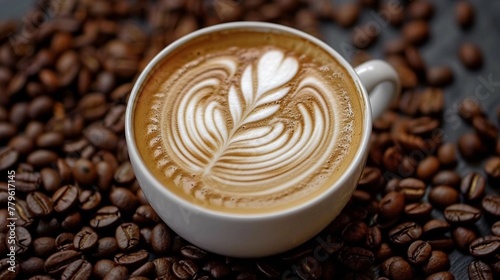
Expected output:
(249, 128)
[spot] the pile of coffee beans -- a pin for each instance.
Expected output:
(66, 72)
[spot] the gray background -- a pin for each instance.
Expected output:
(440, 50)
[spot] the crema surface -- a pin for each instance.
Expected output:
(244, 121)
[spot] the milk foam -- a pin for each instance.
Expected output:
(238, 132)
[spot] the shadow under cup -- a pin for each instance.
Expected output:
(248, 234)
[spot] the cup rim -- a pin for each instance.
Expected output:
(357, 159)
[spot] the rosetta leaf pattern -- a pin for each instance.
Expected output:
(255, 148)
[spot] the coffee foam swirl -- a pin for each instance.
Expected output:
(248, 132)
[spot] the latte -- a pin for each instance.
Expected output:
(243, 121)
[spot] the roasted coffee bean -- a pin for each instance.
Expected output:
(432, 102)
(439, 76)
(485, 246)
(64, 170)
(39, 204)
(356, 258)
(89, 199)
(134, 259)
(412, 188)
(79, 269)
(40, 107)
(485, 129)
(309, 268)
(85, 240)
(495, 265)
(48, 227)
(408, 77)
(471, 146)
(397, 268)
(84, 172)
(163, 266)
(193, 252)
(28, 181)
(64, 241)
(495, 228)
(463, 237)
(51, 181)
(364, 36)
(443, 196)
(469, 108)
(105, 217)
(147, 269)
(427, 168)
(8, 157)
(420, 10)
(41, 158)
(50, 140)
(161, 238)
(23, 214)
(145, 214)
(435, 227)
(470, 55)
(473, 186)
(438, 261)
(22, 144)
(448, 178)
(355, 232)
(347, 14)
(22, 239)
(479, 270)
(117, 273)
(409, 102)
(444, 244)
(106, 247)
(418, 211)
(461, 214)
(447, 154)
(57, 262)
(115, 118)
(423, 126)
(101, 137)
(19, 113)
(492, 168)
(5, 273)
(405, 233)
(71, 221)
(371, 179)
(93, 106)
(416, 32)
(124, 199)
(127, 236)
(184, 269)
(395, 46)
(124, 174)
(7, 131)
(31, 266)
(104, 175)
(443, 275)
(33, 129)
(464, 13)
(491, 204)
(65, 198)
(373, 237)
(44, 246)
(419, 252)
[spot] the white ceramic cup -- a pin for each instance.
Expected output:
(262, 234)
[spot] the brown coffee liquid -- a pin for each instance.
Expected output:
(244, 121)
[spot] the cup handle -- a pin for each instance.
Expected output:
(381, 82)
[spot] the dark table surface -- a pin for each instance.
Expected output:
(441, 49)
